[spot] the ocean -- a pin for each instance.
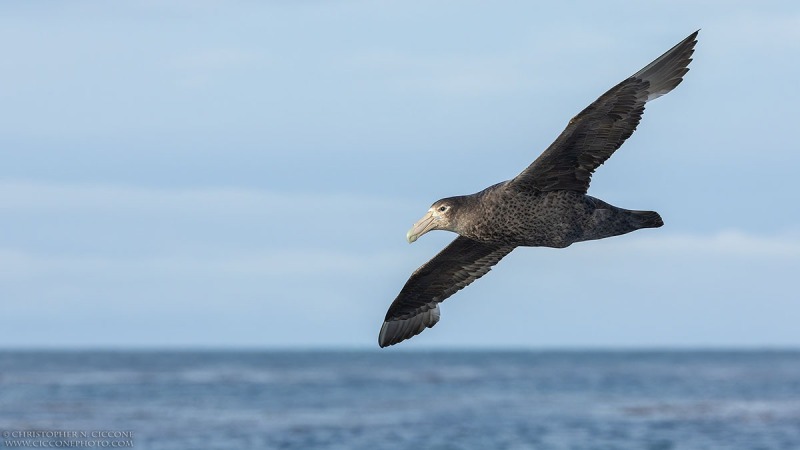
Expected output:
(465, 400)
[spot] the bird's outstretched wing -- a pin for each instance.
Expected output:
(417, 305)
(593, 135)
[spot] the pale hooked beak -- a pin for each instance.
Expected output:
(421, 227)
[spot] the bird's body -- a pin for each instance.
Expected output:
(506, 216)
(546, 205)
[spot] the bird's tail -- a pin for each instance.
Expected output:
(645, 219)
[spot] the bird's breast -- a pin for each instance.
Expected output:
(551, 219)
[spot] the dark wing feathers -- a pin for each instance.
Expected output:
(595, 133)
(417, 305)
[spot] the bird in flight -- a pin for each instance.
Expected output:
(544, 206)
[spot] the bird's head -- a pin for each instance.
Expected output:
(440, 216)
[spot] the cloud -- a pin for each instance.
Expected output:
(314, 292)
(323, 212)
(18, 264)
(301, 260)
(241, 226)
(725, 243)
(51, 196)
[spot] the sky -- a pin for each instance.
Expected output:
(208, 174)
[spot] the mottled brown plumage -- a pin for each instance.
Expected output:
(544, 206)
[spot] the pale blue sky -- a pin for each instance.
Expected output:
(225, 174)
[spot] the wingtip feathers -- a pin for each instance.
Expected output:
(666, 72)
(398, 330)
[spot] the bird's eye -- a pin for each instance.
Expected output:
(442, 208)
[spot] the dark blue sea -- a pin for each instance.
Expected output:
(465, 400)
